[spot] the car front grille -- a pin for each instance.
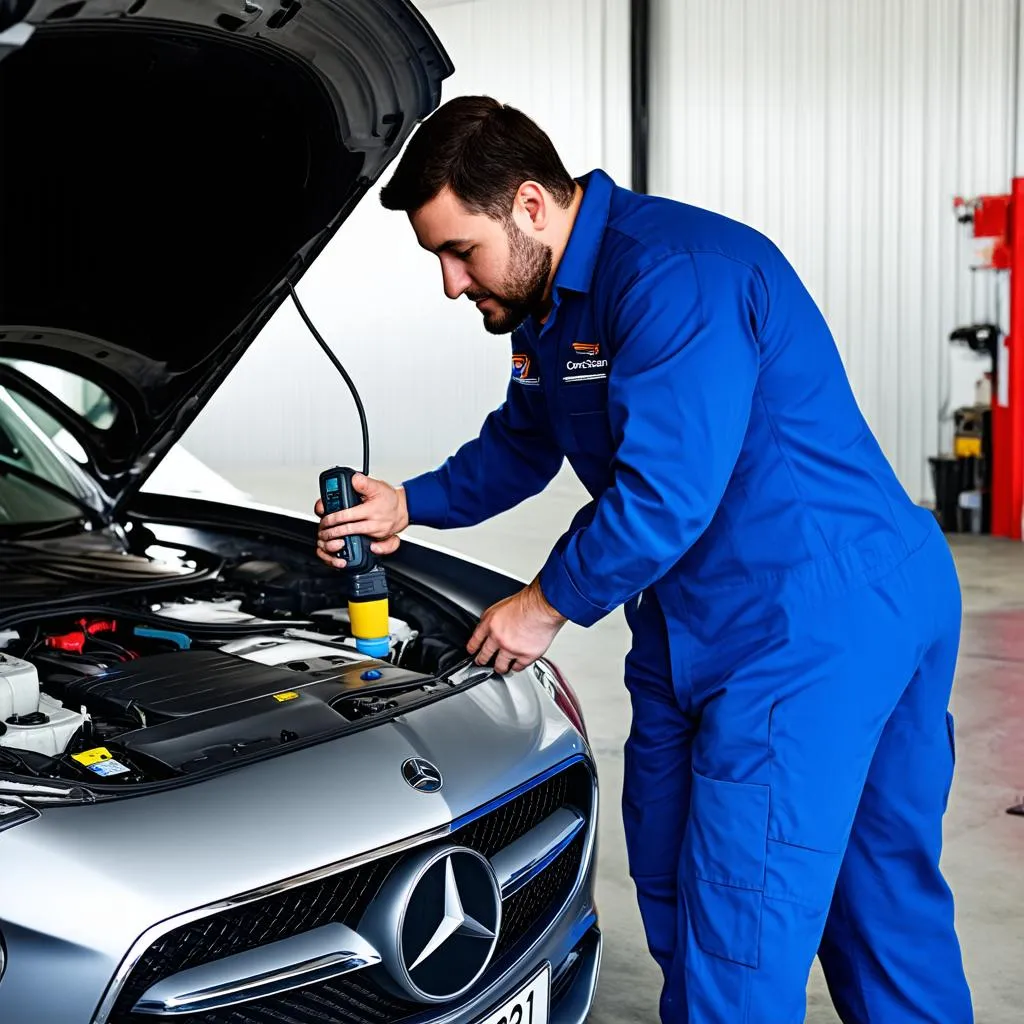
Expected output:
(345, 1001)
(338, 898)
(357, 998)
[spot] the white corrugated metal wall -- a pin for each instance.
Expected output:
(427, 372)
(843, 129)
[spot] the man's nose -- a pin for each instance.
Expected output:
(456, 280)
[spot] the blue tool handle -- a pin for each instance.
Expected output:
(337, 492)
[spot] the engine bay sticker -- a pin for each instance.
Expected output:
(94, 756)
(289, 695)
(110, 767)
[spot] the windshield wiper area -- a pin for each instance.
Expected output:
(53, 531)
(13, 791)
(92, 514)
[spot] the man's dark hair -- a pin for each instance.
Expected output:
(483, 151)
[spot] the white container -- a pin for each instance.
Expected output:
(49, 739)
(19, 687)
(19, 695)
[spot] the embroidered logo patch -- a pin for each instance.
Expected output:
(521, 370)
(586, 369)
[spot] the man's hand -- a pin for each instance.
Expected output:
(381, 516)
(518, 630)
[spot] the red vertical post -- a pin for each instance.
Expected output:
(1008, 403)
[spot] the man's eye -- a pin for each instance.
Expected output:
(465, 253)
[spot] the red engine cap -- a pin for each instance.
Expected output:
(67, 642)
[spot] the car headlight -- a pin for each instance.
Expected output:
(558, 689)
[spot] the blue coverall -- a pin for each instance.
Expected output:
(795, 616)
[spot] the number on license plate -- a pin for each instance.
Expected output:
(528, 1006)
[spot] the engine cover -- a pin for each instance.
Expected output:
(173, 685)
(198, 707)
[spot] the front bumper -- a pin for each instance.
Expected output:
(576, 985)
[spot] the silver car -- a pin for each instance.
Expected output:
(213, 806)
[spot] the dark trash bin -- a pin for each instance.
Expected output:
(950, 478)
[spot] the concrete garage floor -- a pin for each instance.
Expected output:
(984, 851)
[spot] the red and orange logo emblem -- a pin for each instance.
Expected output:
(520, 367)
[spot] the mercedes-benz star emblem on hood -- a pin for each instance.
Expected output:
(422, 775)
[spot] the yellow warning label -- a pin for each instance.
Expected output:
(94, 756)
(290, 695)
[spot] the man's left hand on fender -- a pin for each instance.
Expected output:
(516, 631)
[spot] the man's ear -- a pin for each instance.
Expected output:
(530, 207)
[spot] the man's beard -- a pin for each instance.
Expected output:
(525, 284)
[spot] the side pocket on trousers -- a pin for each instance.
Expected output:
(727, 837)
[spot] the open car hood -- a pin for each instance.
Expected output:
(169, 166)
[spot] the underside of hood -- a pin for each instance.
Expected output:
(168, 166)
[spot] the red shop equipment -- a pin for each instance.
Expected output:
(1001, 219)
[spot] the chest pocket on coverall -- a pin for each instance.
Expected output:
(582, 407)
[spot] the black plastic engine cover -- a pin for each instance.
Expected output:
(179, 683)
(198, 741)
(203, 707)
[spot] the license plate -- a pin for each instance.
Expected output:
(528, 1006)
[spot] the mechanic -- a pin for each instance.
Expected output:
(795, 617)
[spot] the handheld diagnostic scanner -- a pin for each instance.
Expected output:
(368, 585)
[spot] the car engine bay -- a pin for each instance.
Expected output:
(256, 658)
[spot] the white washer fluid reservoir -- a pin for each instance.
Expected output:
(19, 687)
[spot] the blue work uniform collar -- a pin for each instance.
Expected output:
(576, 269)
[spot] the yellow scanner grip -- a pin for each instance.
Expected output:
(369, 618)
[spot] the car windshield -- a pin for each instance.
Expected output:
(39, 483)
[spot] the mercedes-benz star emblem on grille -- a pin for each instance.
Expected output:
(436, 922)
(422, 775)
